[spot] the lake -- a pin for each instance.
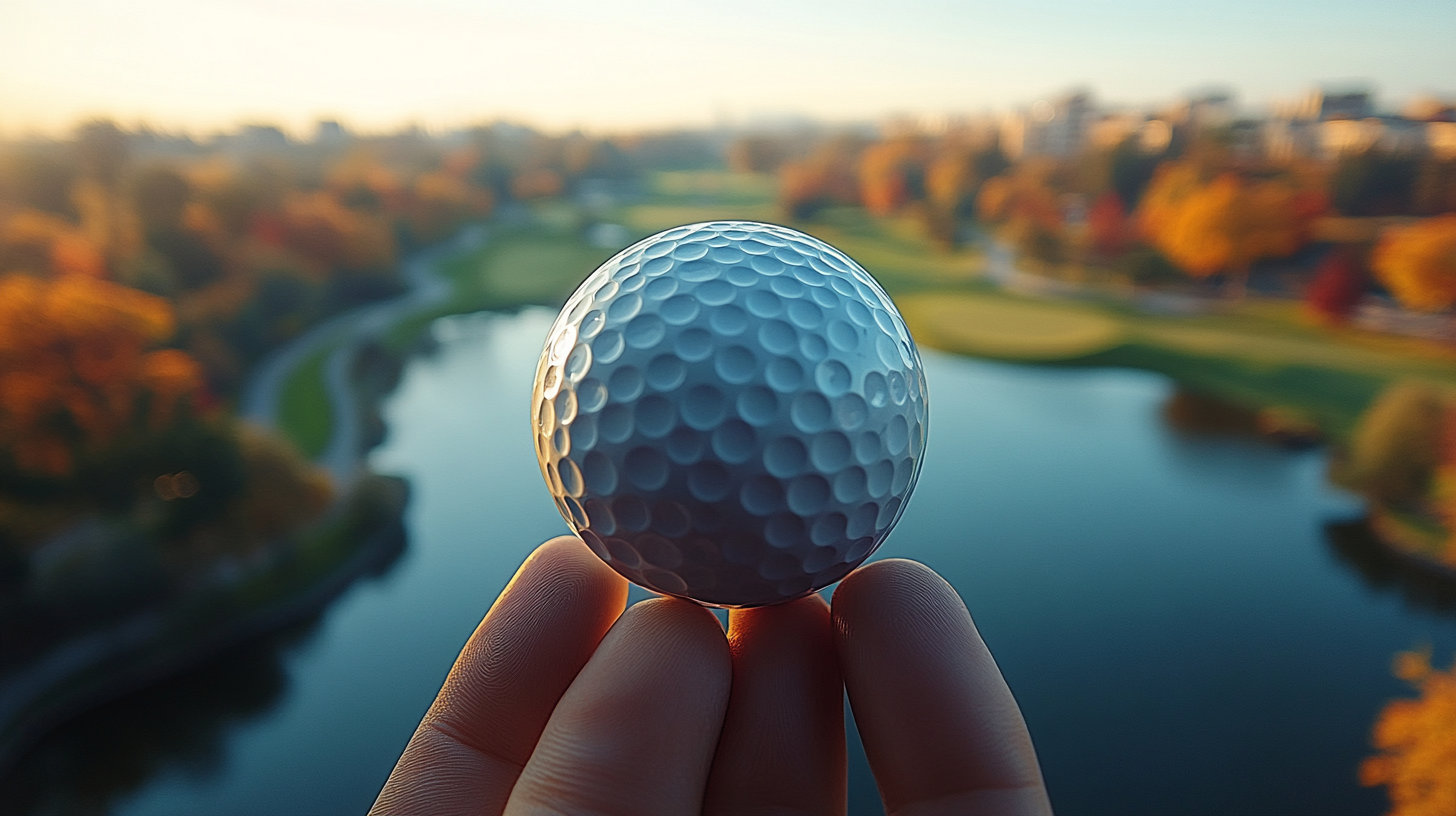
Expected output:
(1186, 622)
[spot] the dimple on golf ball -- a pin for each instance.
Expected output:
(730, 412)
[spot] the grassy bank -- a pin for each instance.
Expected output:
(1255, 354)
(304, 413)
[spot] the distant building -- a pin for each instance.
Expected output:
(1322, 105)
(1389, 134)
(1441, 139)
(1429, 109)
(329, 132)
(254, 139)
(1149, 134)
(1111, 130)
(1288, 139)
(1211, 109)
(1051, 128)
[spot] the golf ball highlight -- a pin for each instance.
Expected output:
(730, 412)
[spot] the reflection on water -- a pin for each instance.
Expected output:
(1418, 585)
(180, 724)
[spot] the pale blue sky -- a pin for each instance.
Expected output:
(605, 66)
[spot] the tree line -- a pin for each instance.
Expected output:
(1201, 208)
(140, 285)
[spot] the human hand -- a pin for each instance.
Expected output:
(562, 703)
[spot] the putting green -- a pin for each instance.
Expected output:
(1008, 329)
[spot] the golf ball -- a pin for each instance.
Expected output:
(730, 412)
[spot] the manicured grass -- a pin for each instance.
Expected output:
(1248, 357)
(305, 414)
(645, 219)
(991, 326)
(516, 267)
(536, 268)
(895, 251)
(1258, 353)
(713, 187)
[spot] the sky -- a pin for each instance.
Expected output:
(604, 66)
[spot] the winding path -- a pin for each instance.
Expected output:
(345, 334)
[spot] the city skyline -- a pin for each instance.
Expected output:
(441, 64)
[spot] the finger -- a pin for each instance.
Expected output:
(782, 747)
(941, 729)
(635, 733)
(467, 752)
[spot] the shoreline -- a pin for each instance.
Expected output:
(157, 642)
(149, 646)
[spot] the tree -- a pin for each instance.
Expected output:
(1418, 263)
(333, 236)
(102, 151)
(1374, 183)
(758, 154)
(953, 179)
(1396, 447)
(42, 243)
(1227, 223)
(76, 370)
(1130, 170)
(1026, 205)
(160, 194)
(1337, 286)
(827, 178)
(1417, 741)
(1108, 229)
(892, 174)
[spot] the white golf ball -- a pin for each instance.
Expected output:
(730, 412)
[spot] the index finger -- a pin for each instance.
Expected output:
(940, 727)
(472, 744)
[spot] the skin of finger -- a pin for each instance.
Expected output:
(635, 733)
(472, 744)
(941, 730)
(782, 747)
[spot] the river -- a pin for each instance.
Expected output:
(1184, 633)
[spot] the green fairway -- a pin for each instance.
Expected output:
(991, 326)
(1256, 353)
(534, 268)
(305, 414)
(895, 251)
(518, 266)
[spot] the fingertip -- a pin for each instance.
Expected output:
(635, 731)
(782, 747)
(890, 576)
(564, 573)
(676, 624)
(469, 749)
(938, 722)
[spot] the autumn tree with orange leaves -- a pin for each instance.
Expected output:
(1109, 231)
(825, 179)
(78, 368)
(1417, 742)
(1026, 205)
(892, 174)
(1227, 223)
(1418, 263)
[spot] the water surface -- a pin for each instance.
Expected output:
(1170, 612)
